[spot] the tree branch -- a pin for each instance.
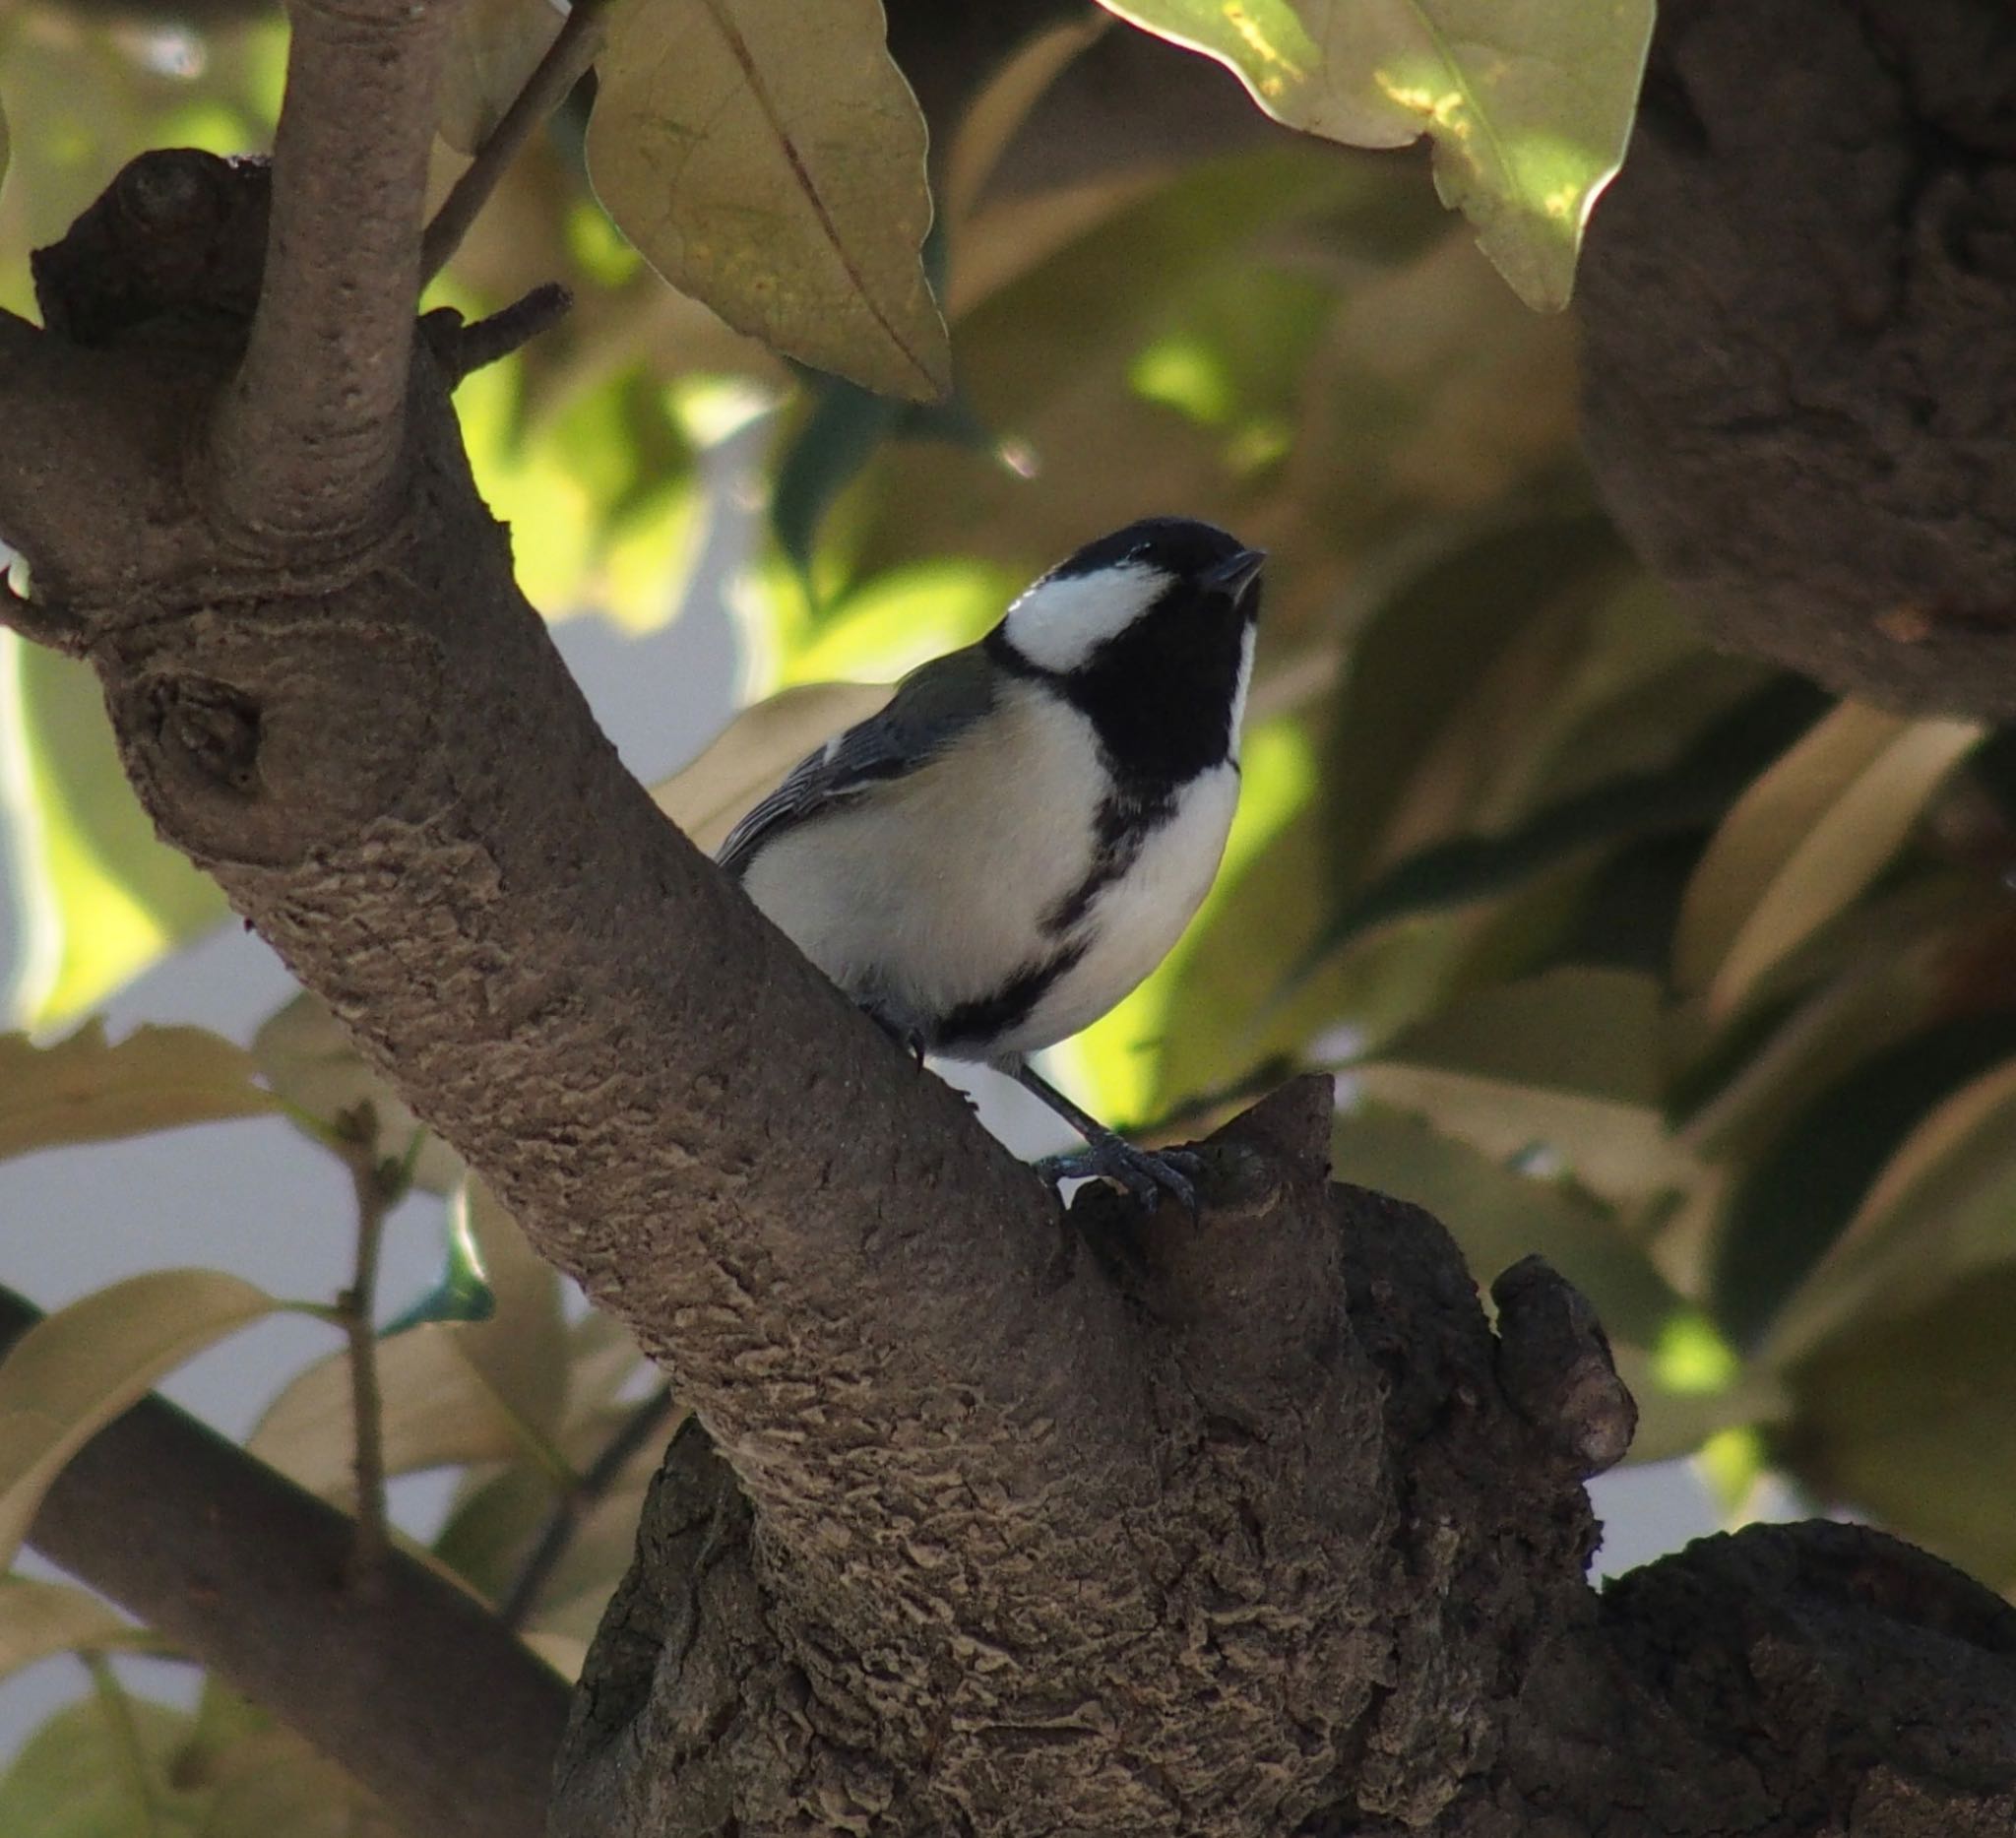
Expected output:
(419, 1694)
(310, 436)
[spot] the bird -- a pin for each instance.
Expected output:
(1023, 833)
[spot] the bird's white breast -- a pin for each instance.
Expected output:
(932, 891)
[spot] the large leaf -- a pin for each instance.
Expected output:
(1805, 841)
(83, 1090)
(102, 1768)
(100, 898)
(1688, 793)
(1435, 732)
(309, 1061)
(1569, 1064)
(769, 159)
(73, 1371)
(1529, 102)
(754, 752)
(1942, 1207)
(1798, 1196)
(1911, 1419)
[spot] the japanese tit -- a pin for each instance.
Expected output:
(1009, 846)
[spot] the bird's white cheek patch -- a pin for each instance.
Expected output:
(1058, 624)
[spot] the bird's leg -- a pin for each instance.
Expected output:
(908, 1039)
(1145, 1174)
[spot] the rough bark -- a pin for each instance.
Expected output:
(996, 1522)
(1797, 301)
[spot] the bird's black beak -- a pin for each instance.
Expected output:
(1235, 575)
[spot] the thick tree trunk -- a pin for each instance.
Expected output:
(1800, 376)
(998, 1522)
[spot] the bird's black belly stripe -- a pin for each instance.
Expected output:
(1125, 826)
(986, 1019)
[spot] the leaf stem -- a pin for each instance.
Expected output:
(576, 1501)
(133, 1757)
(566, 62)
(377, 1187)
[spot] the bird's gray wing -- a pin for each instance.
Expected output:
(933, 706)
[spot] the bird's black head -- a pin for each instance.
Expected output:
(1150, 632)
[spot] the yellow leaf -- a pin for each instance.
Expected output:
(768, 157)
(1804, 842)
(82, 1090)
(38, 1618)
(1529, 106)
(71, 1373)
(755, 751)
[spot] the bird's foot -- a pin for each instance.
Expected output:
(1145, 1174)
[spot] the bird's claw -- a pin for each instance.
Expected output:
(1145, 1174)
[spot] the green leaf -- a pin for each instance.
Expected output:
(102, 1769)
(1569, 1064)
(493, 46)
(1942, 1207)
(39, 1620)
(1910, 1420)
(769, 160)
(100, 898)
(463, 1292)
(595, 473)
(825, 453)
(1529, 102)
(271, 1784)
(754, 752)
(1689, 794)
(1044, 360)
(310, 1063)
(1797, 1198)
(81, 1089)
(77, 1369)
(1805, 841)
(1436, 728)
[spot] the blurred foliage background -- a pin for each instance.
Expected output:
(1654, 960)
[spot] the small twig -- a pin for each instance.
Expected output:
(461, 350)
(552, 80)
(577, 1502)
(133, 1761)
(378, 1187)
